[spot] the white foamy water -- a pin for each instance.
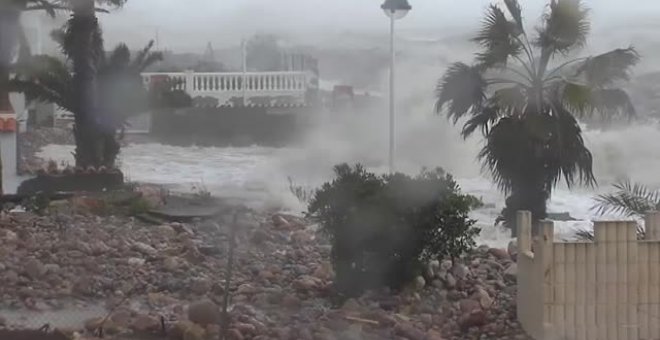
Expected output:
(258, 175)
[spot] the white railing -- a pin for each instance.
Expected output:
(231, 84)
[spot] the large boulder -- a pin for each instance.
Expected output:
(204, 313)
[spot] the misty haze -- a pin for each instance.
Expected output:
(307, 169)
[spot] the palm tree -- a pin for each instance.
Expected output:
(120, 89)
(83, 46)
(526, 100)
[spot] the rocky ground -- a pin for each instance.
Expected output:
(173, 275)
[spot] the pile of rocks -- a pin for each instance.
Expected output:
(170, 278)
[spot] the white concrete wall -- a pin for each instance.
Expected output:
(603, 290)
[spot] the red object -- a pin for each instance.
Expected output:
(157, 80)
(9, 125)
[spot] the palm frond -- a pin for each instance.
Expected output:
(46, 79)
(632, 200)
(613, 103)
(462, 88)
(576, 97)
(505, 150)
(588, 235)
(146, 58)
(142, 55)
(498, 38)
(512, 100)
(565, 27)
(568, 156)
(37, 92)
(539, 150)
(483, 118)
(516, 12)
(50, 7)
(113, 3)
(584, 100)
(119, 59)
(609, 67)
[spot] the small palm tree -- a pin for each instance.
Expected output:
(526, 100)
(83, 47)
(120, 88)
(630, 200)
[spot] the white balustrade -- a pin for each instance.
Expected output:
(235, 84)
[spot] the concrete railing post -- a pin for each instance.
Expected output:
(189, 82)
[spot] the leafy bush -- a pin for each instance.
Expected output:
(383, 228)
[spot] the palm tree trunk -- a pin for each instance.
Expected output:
(84, 27)
(111, 149)
(526, 196)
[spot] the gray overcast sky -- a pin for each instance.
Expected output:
(188, 24)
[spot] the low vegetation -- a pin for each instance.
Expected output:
(629, 199)
(302, 193)
(383, 228)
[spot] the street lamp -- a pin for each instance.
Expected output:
(395, 10)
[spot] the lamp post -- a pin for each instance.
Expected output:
(395, 10)
(244, 60)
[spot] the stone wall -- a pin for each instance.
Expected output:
(227, 126)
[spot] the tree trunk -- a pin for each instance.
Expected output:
(84, 29)
(111, 148)
(530, 197)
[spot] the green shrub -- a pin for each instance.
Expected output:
(383, 228)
